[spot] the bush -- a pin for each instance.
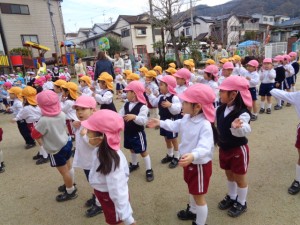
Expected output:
(20, 51)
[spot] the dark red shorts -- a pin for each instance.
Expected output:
(69, 126)
(297, 144)
(197, 177)
(108, 207)
(235, 159)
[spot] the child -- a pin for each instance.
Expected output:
(227, 70)
(2, 165)
(170, 71)
(169, 107)
(233, 119)
(221, 63)
(118, 79)
(183, 77)
(15, 94)
(158, 71)
(172, 65)
(85, 84)
(267, 77)
(135, 114)
(85, 106)
(57, 88)
(55, 74)
(293, 98)
(48, 85)
(51, 130)
(289, 73)
(20, 82)
(280, 76)
(238, 70)
(295, 65)
(196, 153)
(30, 78)
(38, 84)
(67, 74)
(151, 85)
(210, 79)
(143, 71)
(253, 77)
(188, 64)
(109, 173)
(6, 100)
(105, 95)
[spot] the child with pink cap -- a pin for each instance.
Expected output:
(169, 107)
(295, 65)
(227, 71)
(38, 84)
(109, 173)
(51, 131)
(253, 78)
(183, 77)
(267, 77)
(67, 74)
(289, 73)
(48, 85)
(280, 76)
(6, 100)
(196, 153)
(85, 106)
(233, 119)
(135, 114)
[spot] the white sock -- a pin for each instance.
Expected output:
(176, 154)
(201, 211)
(278, 101)
(242, 195)
(70, 190)
(134, 159)
(72, 173)
(170, 152)
(147, 162)
(1, 157)
(232, 189)
(192, 204)
(297, 172)
(262, 105)
(43, 152)
(269, 105)
(97, 202)
(293, 89)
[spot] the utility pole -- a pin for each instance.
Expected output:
(53, 28)
(192, 20)
(151, 20)
(222, 28)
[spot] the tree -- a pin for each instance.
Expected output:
(115, 46)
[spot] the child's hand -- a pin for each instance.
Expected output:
(92, 88)
(248, 78)
(166, 104)
(153, 123)
(186, 159)
(83, 132)
(148, 91)
(237, 123)
(76, 124)
(129, 117)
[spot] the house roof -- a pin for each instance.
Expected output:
(201, 36)
(84, 30)
(71, 34)
(138, 19)
(99, 36)
(290, 23)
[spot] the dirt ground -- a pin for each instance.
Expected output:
(27, 191)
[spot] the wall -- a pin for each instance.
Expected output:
(232, 36)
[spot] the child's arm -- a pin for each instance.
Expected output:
(22, 115)
(291, 97)
(105, 99)
(240, 127)
(154, 100)
(174, 107)
(140, 119)
(272, 74)
(169, 125)
(254, 79)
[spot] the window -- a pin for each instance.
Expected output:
(141, 31)
(29, 37)
(188, 31)
(265, 19)
(271, 19)
(125, 33)
(14, 9)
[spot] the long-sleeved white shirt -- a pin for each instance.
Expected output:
(142, 118)
(254, 78)
(67, 108)
(16, 107)
(196, 136)
(127, 64)
(239, 70)
(117, 62)
(104, 96)
(267, 76)
(289, 70)
(174, 109)
(153, 88)
(86, 91)
(180, 89)
(48, 85)
(116, 184)
(29, 113)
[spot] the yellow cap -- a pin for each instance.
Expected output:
(224, 60)
(237, 57)
(108, 79)
(191, 60)
(72, 88)
(17, 91)
(143, 69)
(173, 65)
(230, 59)
(59, 83)
(210, 62)
(151, 73)
(86, 79)
(127, 72)
(187, 62)
(171, 70)
(133, 76)
(158, 68)
(30, 94)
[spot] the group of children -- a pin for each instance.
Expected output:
(177, 102)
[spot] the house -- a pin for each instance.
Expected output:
(264, 19)
(30, 20)
(286, 29)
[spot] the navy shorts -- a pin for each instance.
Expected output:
(168, 134)
(61, 158)
(136, 142)
(287, 83)
(119, 87)
(264, 89)
(294, 79)
(253, 93)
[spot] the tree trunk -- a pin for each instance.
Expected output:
(173, 40)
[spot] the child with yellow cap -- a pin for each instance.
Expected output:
(143, 72)
(159, 72)
(152, 86)
(105, 95)
(238, 70)
(85, 84)
(57, 88)
(188, 64)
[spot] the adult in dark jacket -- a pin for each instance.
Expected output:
(103, 65)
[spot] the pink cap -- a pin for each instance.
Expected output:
(287, 57)
(39, 81)
(108, 122)
(62, 77)
(171, 82)
(118, 70)
(48, 76)
(12, 75)
(278, 58)
(43, 78)
(293, 54)
(204, 95)
(184, 74)
(48, 102)
(237, 83)
(85, 102)
(80, 75)
(267, 60)
(228, 66)
(212, 69)
(7, 84)
(90, 72)
(138, 88)
(253, 63)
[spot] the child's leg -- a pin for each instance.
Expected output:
(67, 177)
(1, 162)
(134, 160)
(149, 171)
(25, 132)
(269, 102)
(254, 107)
(175, 146)
(262, 102)
(295, 187)
(201, 209)
(242, 188)
(231, 184)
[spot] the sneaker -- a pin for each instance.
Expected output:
(277, 107)
(268, 111)
(37, 156)
(65, 196)
(167, 159)
(253, 117)
(29, 146)
(237, 209)
(91, 201)
(288, 104)
(149, 175)
(261, 111)
(294, 188)
(226, 203)
(2, 164)
(2, 169)
(42, 161)
(173, 163)
(186, 214)
(95, 210)
(133, 167)
(62, 188)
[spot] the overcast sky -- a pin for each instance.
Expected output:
(79, 13)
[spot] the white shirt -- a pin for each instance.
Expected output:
(127, 64)
(86, 91)
(67, 108)
(196, 136)
(48, 85)
(254, 78)
(107, 97)
(119, 79)
(29, 113)
(289, 70)
(153, 88)
(16, 107)
(239, 70)
(267, 76)
(180, 89)
(83, 157)
(117, 62)
(174, 109)
(68, 76)
(142, 118)
(116, 184)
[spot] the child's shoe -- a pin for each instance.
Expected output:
(253, 117)
(261, 111)
(294, 188)
(226, 203)
(95, 210)
(167, 159)
(277, 107)
(133, 167)
(42, 161)
(91, 201)
(62, 188)
(66, 196)
(237, 209)
(288, 104)
(186, 214)
(173, 163)
(29, 146)
(149, 175)
(37, 156)
(268, 111)
(2, 169)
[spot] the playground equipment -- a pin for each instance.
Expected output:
(67, 53)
